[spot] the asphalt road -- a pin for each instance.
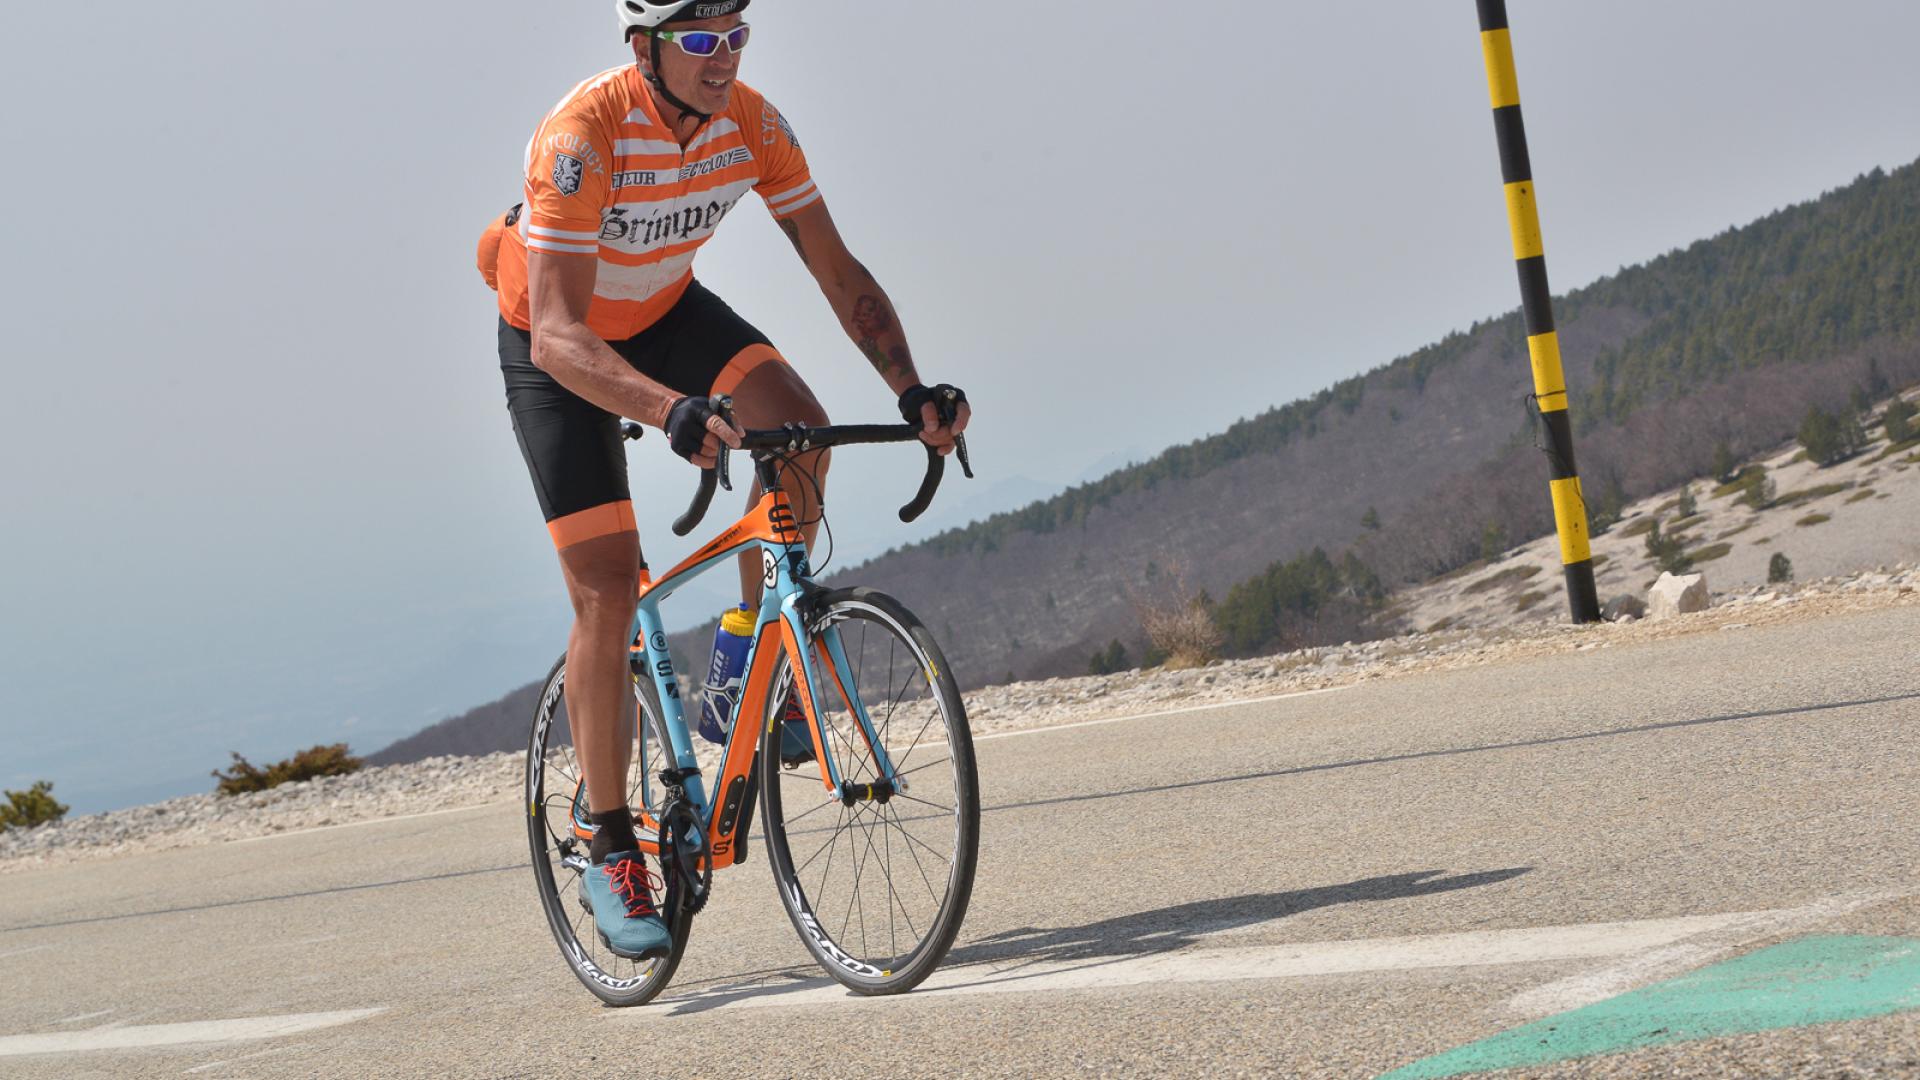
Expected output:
(1329, 885)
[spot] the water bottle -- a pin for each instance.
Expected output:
(721, 691)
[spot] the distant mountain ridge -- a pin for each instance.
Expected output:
(1726, 341)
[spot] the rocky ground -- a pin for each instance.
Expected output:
(1860, 512)
(450, 783)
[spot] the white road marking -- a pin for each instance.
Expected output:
(203, 1031)
(85, 1016)
(25, 951)
(1477, 948)
(1209, 706)
(369, 821)
(1589, 987)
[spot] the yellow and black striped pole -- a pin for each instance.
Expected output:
(1549, 380)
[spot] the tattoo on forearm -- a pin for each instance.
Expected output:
(871, 316)
(793, 234)
(873, 320)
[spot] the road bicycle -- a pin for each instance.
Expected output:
(873, 841)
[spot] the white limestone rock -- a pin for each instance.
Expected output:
(1679, 595)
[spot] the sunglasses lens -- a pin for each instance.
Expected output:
(737, 38)
(700, 42)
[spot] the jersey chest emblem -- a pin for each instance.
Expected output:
(567, 171)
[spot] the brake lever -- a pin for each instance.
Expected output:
(949, 410)
(722, 406)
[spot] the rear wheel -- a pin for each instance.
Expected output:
(875, 876)
(560, 856)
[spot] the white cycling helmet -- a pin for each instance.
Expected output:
(640, 15)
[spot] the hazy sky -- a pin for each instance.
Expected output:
(260, 488)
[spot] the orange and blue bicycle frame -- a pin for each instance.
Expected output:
(770, 528)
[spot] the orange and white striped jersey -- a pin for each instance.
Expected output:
(606, 179)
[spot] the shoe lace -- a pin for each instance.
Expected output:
(633, 883)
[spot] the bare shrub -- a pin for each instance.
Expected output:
(1177, 618)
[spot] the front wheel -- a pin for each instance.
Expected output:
(875, 874)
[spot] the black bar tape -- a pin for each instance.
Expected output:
(1536, 299)
(1493, 15)
(1516, 165)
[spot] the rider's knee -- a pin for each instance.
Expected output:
(605, 594)
(603, 584)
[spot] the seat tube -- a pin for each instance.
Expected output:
(673, 711)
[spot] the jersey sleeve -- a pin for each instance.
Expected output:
(567, 187)
(785, 182)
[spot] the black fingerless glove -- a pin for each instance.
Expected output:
(946, 400)
(687, 425)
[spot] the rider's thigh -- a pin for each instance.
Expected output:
(603, 578)
(773, 394)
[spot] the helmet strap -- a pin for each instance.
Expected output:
(660, 85)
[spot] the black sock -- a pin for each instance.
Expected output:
(613, 831)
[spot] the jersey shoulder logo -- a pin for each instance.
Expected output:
(567, 171)
(772, 120)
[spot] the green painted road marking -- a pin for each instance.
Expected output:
(1815, 980)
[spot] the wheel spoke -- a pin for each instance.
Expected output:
(833, 836)
(886, 860)
(915, 744)
(930, 849)
(921, 766)
(832, 845)
(922, 802)
(931, 891)
(804, 814)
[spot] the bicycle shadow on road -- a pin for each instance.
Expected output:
(1108, 941)
(1168, 928)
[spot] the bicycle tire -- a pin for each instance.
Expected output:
(613, 979)
(850, 954)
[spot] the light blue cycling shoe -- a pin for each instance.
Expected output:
(620, 894)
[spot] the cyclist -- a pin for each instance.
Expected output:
(600, 317)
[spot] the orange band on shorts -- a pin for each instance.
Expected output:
(593, 523)
(742, 365)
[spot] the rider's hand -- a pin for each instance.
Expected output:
(696, 432)
(942, 411)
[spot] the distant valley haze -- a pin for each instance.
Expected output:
(261, 492)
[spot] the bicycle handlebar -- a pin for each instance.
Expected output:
(795, 438)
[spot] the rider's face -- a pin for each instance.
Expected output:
(705, 82)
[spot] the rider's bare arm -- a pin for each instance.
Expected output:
(862, 305)
(857, 298)
(560, 290)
